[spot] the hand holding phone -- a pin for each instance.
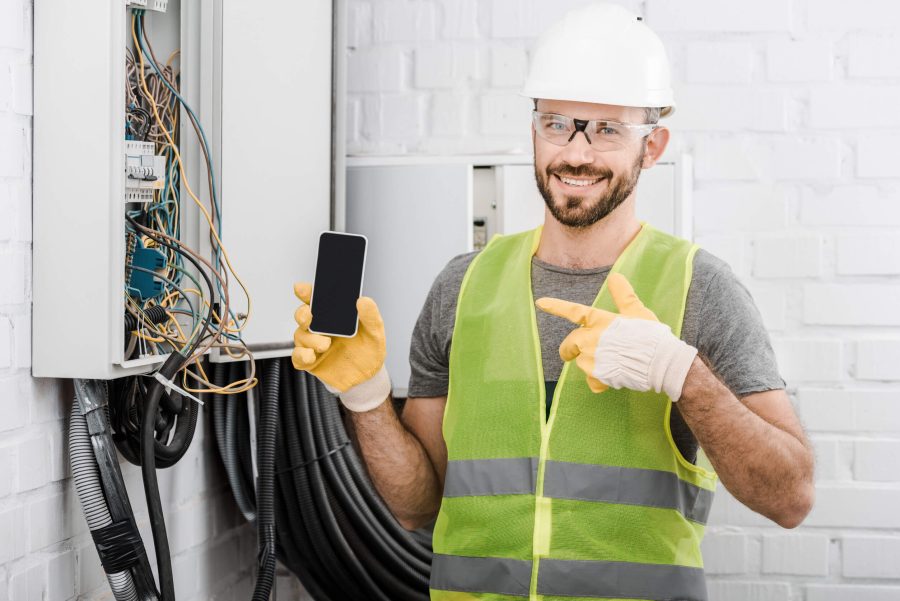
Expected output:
(349, 360)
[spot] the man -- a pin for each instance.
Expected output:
(577, 479)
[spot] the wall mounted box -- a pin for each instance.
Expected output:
(241, 75)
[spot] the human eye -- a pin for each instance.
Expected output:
(554, 123)
(608, 129)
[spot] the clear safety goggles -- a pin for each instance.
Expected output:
(601, 134)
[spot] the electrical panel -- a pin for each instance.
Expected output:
(155, 135)
(470, 199)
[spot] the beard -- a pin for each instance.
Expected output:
(583, 211)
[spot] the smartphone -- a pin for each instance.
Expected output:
(338, 284)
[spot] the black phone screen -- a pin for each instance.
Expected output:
(338, 283)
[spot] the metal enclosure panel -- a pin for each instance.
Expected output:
(275, 154)
(416, 217)
(79, 98)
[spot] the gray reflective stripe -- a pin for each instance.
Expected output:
(626, 485)
(478, 477)
(657, 582)
(481, 575)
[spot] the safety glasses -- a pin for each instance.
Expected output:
(601, 134)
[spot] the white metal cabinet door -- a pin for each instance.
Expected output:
(416, 217)
(276, 155)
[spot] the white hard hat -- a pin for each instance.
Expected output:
(601, 53)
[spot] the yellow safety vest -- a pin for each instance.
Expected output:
(595, 503)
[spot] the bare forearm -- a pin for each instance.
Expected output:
(765, 467)
(398, 465)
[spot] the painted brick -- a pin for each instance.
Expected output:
(61, 577)
(460, 19)
(729, 109)
(876, 461)
(809, 359)
(849, 410)
(403, 21)
(793, 256)
(376, 70)
(715, 62)
(46, 522)
(731, 158)
(6, 344)
(13, 533)
(727, 247)
(450, 114)
(830, 462)
(446, 65)
(12, 269)
(849, 206)
(797, 554)
(861, 592)
(13, 151)
(870, 556)
(509, 65)
(12, 26)
(34, 463)
(793, 158)
(21, 76)
(832, 15)
(505, 113)
(874, 156)
(868, 254)
(739, 208)
(712, 16)
(799, 61)
(772, 305)
(8, 210)
(29, 581)
(872, 57)
(749, 591)
(725, 553)
(830, 107)
(359, 24)
(21, 193)
(851, 305)
(402, 116)
(21, 336)
(856, 505)
(876, 359)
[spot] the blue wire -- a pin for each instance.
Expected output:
(214, 191)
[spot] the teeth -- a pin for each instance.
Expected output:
(579, 182)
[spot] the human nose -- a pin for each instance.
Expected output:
(578, 151)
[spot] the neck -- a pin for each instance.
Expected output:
(598, 245)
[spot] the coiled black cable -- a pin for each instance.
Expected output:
(333, 529)
(267, 436)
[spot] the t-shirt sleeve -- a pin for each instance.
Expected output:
(732, 337)
(429, 350)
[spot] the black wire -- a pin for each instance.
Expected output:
(207, 321)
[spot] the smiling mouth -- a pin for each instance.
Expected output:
(578, 182)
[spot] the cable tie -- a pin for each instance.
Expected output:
(171, 385)
(313, 460)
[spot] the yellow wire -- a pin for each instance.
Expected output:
(184, 179)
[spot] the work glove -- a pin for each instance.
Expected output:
(352, 368)
(629, 349)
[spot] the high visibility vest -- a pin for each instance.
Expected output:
(595, 502)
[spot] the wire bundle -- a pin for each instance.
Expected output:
(333, 529)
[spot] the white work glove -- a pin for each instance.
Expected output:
(631, 349)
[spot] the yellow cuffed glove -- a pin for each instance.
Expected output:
(630, 349)
(353, 368)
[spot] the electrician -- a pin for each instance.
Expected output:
(557, 447)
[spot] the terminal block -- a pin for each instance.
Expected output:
(145, 171)
(157, 5)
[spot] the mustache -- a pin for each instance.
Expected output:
(583, 171)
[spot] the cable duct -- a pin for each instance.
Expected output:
(333, 530)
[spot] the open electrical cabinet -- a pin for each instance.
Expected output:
(265, 87)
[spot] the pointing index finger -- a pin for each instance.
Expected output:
(574, 312)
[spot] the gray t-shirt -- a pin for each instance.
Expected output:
(720, 320)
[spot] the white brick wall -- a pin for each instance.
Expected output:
(789, 108)
(45, 549)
